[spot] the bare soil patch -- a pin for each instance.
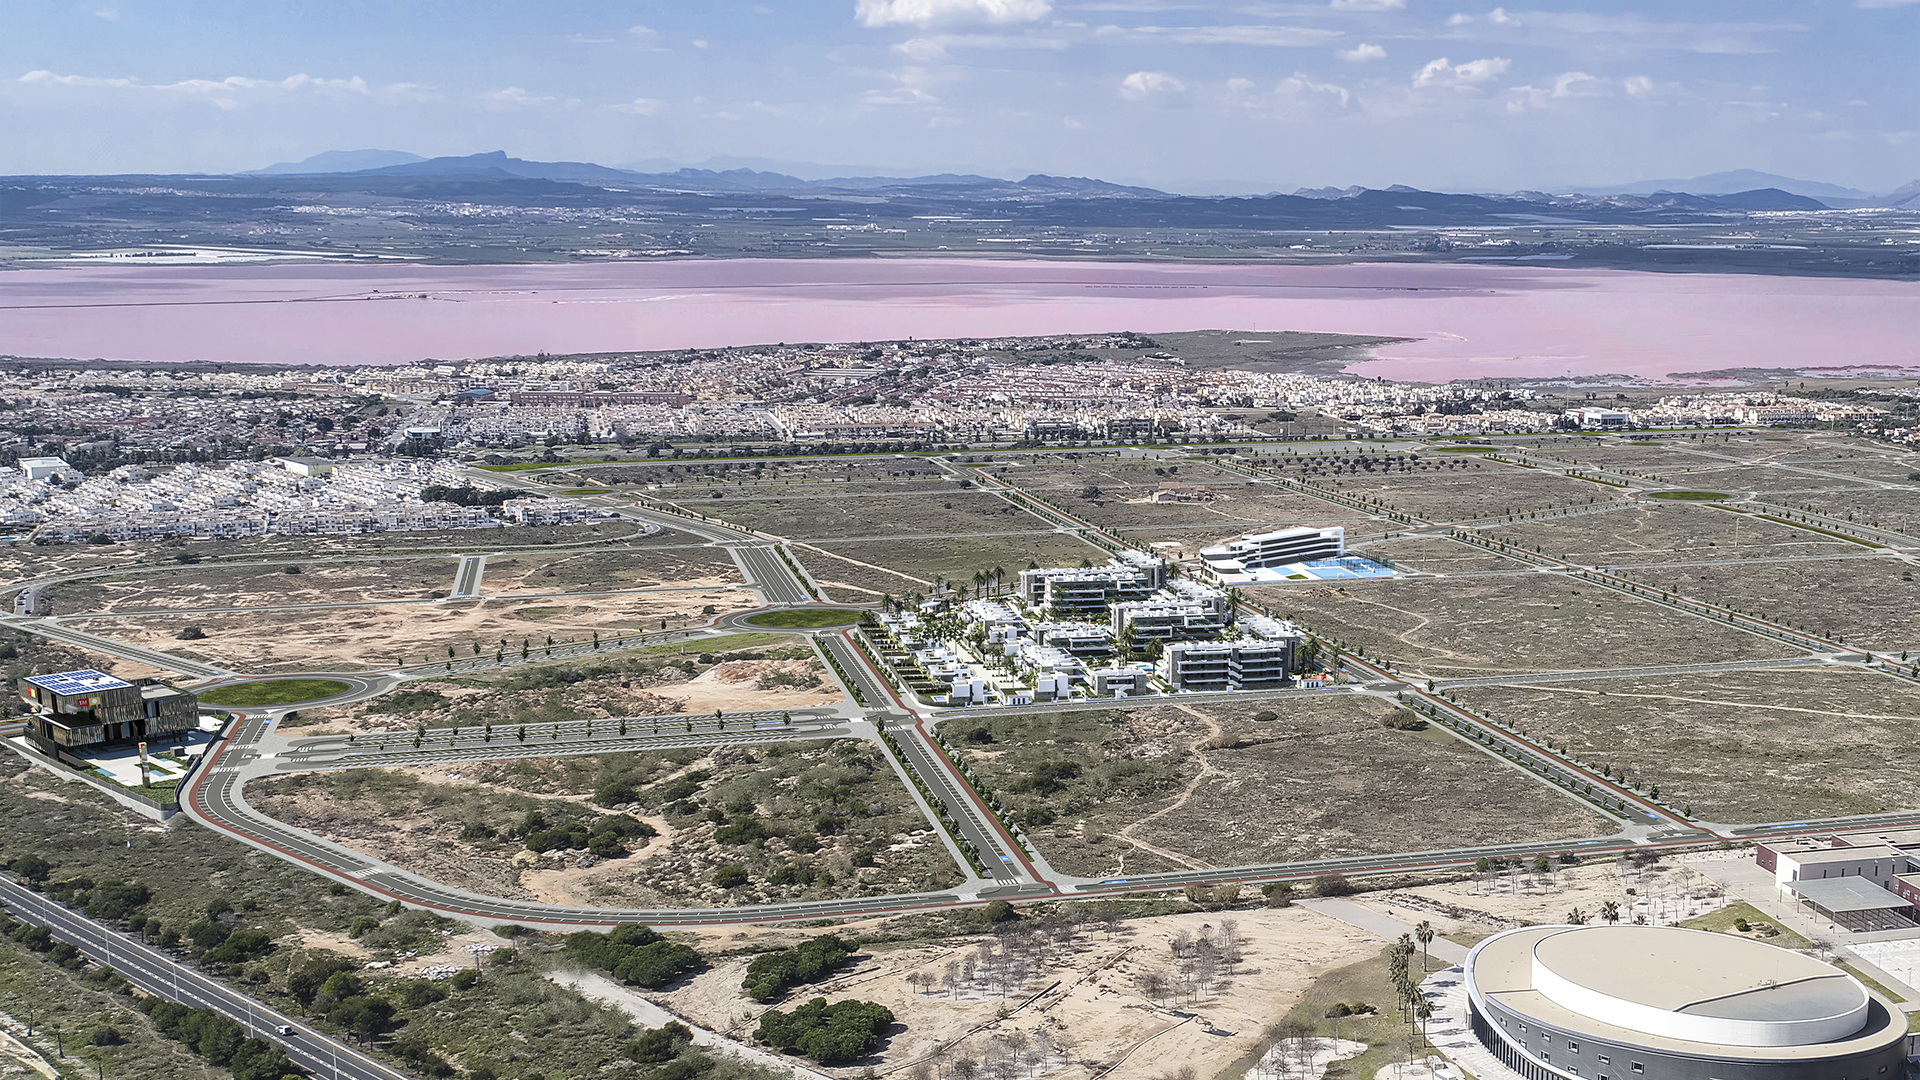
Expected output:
(953, 557)
(1651, 532)
(381, 636)
(254, 586)
(836, 514)
(1095, 1015)
(595, 571)
(1743, 746)
(1456, 627)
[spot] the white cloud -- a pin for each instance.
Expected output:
(224, 93)
(1368, 5)
(1286, 37)
(1472, 73)
(925, 50)
(1157, 86)
(513, 97)
(646, 37)
(1299, 85)
(1578, 84)
(640, 107)
(1362, 53)
(1637, 86)
(1497, 17)
(931, 12)
(699, 43)
(1883, 3)
(1071, 124)
(108, 14)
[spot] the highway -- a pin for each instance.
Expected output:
(768, 572)
(154, 972)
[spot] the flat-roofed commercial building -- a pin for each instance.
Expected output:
(77, 709)
(1665, 1003)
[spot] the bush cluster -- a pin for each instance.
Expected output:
(770, 974)
(835, 1034)
(218, 1039)
(635, 955)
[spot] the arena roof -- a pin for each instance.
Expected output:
(1682, 991)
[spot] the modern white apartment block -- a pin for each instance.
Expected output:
(1091, 590)
(1282, 547)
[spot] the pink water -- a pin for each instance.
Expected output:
(1470, 321)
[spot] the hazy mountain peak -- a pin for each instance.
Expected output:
(339, 161)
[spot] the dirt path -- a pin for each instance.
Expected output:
(857, 562)
(1206, 770)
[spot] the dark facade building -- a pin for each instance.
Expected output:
(1664, 1003)
(77, 709)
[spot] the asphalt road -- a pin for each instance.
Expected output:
(768, 572)
(157, 973)
(152, 657)
(466, 579)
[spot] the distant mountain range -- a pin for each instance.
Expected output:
(1738, 190)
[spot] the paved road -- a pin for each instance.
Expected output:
(767, 571)
(157, 973)
(467, 577)
(138, 653)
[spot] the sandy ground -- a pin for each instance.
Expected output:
(1663, 892)
(16, 1057)
(376, 637)
(1084, 996)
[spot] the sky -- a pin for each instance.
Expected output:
(1186, 95)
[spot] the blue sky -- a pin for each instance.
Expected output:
(1182, 94)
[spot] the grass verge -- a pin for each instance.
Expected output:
(1877, 986)
(799, 617)
(1722, 921)
(273, 692)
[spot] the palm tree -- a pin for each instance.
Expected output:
(1610, 911)
(1424, 934)
(1000, 576)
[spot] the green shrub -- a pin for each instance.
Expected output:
(834, 1034)
(771, 974)
(635, 955)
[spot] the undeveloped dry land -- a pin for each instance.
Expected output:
(1655, 531)
(379, 636)
(1452, 628)
(908, 565)
(256, 586)
(1236, 507)
(1896, 510)
(1095, 1013)
(1870, 602)
(1437, 555)
(1742, 746)
(1482, 489)
(806, 820)
(1114, 793)
(632, 568)
(739, 672)
(838, 514)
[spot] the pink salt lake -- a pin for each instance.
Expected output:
(1468, 321)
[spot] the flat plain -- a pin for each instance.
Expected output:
(1456, 627)
(1748, 746)
(1209, 785)
(1648, 532)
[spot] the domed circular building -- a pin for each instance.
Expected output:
(1663, 1003)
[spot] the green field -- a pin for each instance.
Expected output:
(799, 617)
(273, 692)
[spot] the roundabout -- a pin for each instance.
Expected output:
(253, 695)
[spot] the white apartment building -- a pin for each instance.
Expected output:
(1281, 547)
